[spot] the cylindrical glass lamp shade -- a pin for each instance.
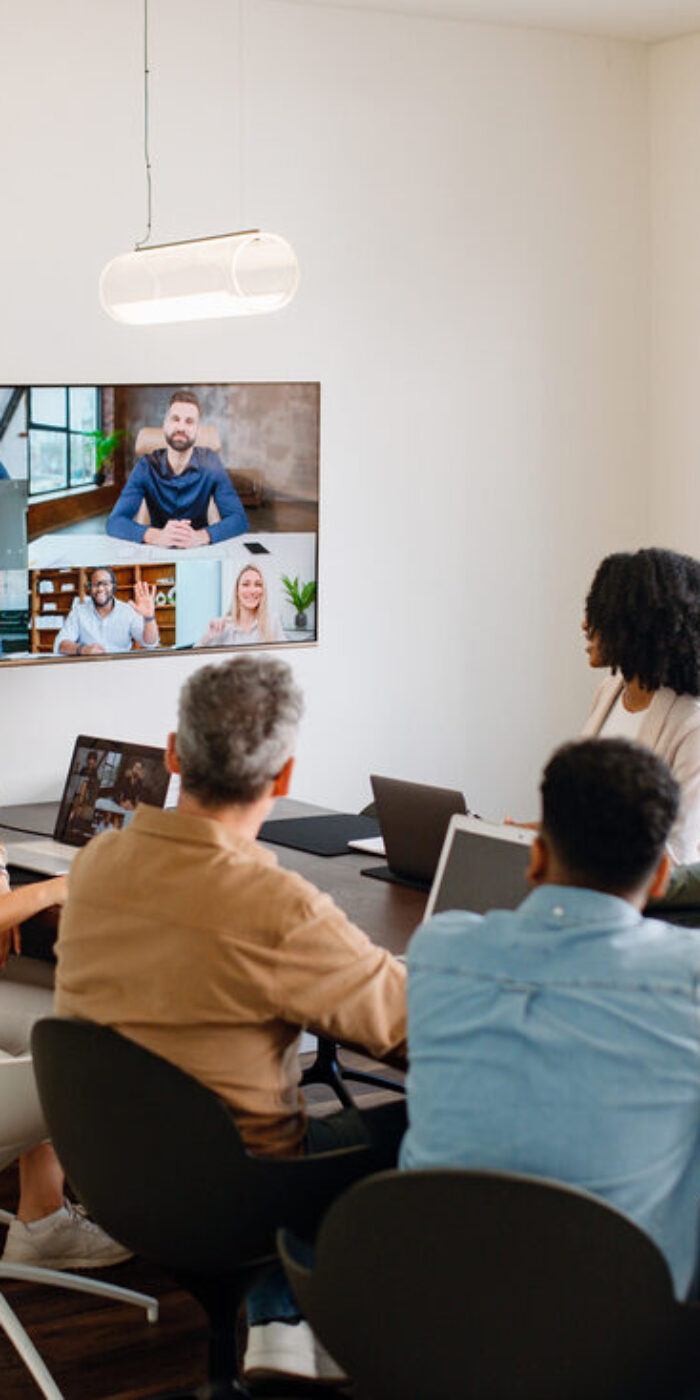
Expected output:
(237, 274)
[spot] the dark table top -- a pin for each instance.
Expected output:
(388, 913)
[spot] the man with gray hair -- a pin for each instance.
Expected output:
(183, 933)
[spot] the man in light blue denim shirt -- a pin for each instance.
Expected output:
(562, 1039)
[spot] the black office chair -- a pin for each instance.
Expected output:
(158, 1162)
(456, 1285)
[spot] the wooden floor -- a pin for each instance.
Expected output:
(97, 1350)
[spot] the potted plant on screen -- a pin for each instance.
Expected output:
(105, 446)
(301, 596)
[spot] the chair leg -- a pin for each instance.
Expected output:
(76, 1283)
(222, 1301)
(326, 1070)
(28, 1352)
(362, 1076)
(223, 1352)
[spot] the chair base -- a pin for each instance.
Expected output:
(75, 1283)
(378, 1081)
(222, 1301)
(25, 1348)
(78, 1283)
(326, 1069)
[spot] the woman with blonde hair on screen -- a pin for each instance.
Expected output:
(249, 619)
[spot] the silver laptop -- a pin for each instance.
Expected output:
(413, 819)
(106, 780)
(482, 866)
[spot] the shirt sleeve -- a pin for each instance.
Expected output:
(332, 979)
(70, 631)
(137, 625)
(120, 522)
(234, 520)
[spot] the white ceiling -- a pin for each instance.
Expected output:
(646, 20)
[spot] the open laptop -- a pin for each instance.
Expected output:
(413, 819)
(482, 866)
(106, 780)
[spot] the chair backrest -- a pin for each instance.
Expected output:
(484, 1286)
(157, 1159)
(152, 439)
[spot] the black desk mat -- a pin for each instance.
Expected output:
(320, 836)
(384, 872)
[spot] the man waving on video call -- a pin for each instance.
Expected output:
(103, 623)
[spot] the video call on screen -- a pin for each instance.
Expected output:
(107, 780)
(133, 520)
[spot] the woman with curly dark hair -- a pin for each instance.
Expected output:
(643, 620)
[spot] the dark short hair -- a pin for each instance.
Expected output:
(103, 569)
(644, 610)
(184, 396)
(608, 806)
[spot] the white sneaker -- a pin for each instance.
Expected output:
(280, 1349)
(64, 1240)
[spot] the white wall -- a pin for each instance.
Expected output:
(470, 207)
(675, 147)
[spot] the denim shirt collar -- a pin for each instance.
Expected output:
(566, 906)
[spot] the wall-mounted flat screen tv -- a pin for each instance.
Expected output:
(149, 519)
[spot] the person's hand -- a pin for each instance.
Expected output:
(193, 539)
(216, 626)
(93, 650)
(10, 941)
(144, 600)
(527, 826)
(176, 534)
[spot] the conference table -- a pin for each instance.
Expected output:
(388, 913)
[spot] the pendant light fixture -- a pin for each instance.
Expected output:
(228, 274)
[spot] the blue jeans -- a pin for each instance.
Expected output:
(271, 1299)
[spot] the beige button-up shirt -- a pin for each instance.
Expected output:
(194, 943)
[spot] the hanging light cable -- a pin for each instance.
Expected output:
(228, 274)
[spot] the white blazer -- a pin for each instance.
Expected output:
(671, 729)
